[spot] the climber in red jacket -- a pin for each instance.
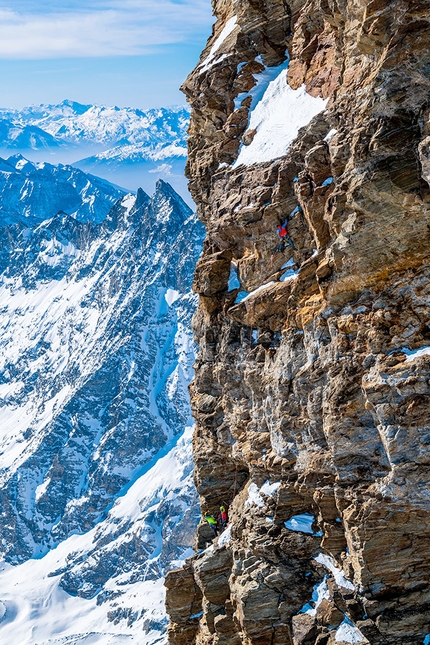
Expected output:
(222, 517)
(284, 236)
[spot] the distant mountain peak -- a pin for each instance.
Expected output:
(127, 146)
(33, 192)
(141, 198)
(78, 108)
(163, 187)
(5, 166)
(17, 157)
(19, 162)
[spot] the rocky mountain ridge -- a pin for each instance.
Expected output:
(311, 393)
(33, 192)
(71, 122)
(97, 495)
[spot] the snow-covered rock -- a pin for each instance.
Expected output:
(96, 471)
(276, 115)
(33, 192)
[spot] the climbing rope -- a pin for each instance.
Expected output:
(235, 482)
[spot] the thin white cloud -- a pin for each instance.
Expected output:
(126, 28)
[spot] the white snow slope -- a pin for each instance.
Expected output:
(36, 609)
(95, 464)
(277, 113)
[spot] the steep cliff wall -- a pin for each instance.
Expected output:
(311, 393)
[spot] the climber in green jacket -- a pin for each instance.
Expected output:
(212, 522)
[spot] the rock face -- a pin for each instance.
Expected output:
(311, 393)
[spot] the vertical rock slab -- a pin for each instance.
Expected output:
(311, 391)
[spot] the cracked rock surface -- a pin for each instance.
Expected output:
(311, 391)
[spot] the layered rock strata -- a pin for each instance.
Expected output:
(311, 393)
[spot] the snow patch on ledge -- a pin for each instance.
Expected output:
(210, 60)
(329, 563)
(290, 274)
(277, 118)
(262, 80)
(254, 493)
(269, 489)
(347, 632)
(320, 593)
(225, 537)
(416, 353)
(244, 295)
(254, 497)
(330, 134)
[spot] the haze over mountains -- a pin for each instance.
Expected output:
(129, 147)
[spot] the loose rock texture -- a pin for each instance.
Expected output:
(315, 382)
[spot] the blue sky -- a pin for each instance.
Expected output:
(124, 52)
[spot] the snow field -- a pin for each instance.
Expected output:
(277, 116)
(72, 338)
(39, 611)
(226, 31)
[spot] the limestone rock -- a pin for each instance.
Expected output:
(304, 629)
(312, 384)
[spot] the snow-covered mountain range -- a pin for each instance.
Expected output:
(127, 146)
(95, 460)
(31, 192)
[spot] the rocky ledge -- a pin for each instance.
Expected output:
(311, 391)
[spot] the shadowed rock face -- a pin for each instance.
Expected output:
(315, 381)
